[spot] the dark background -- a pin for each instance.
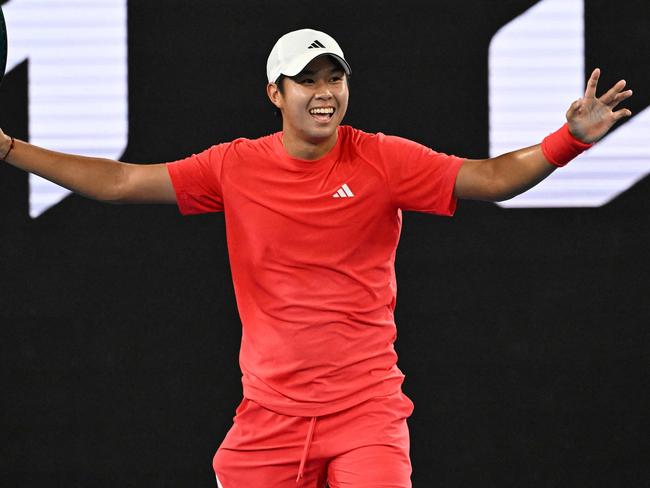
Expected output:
(523, 333)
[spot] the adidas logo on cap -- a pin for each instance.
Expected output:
(316, 44)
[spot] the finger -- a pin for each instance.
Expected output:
(573, 109)
(592, 84)
(608, 97)
(619, 98)
(621, 114)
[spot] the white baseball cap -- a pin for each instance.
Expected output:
(295, 50)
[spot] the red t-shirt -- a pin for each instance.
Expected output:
(312, 252)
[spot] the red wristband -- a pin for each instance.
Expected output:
(560, 147)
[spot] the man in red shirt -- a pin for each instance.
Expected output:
(313, 218)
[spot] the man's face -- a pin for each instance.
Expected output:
(314, 101)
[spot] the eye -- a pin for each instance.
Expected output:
(305, 81)
(336, 79)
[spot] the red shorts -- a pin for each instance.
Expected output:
(364, 446)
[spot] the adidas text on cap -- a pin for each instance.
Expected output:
(295, 50)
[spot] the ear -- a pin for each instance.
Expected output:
(274, 95)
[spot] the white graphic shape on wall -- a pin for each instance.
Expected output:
(78, 86)
(536, 69)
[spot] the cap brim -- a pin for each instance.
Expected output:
(300, 63)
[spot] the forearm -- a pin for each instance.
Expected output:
(508, 175)
(518, 171)
(502, 177)
(95, 178)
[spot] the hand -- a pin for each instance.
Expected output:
(5, 143)
(590, 118)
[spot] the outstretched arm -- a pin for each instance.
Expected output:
(96, 178)
(510, 174)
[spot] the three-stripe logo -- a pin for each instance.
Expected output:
(343, 192)
(316, 45)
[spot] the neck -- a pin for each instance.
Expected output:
(301, 148)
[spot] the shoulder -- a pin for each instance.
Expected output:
(354, 136)
(257, 143)
(365, 150)
(245, 146)
(359, 142)
(375, 144)
(239, 148)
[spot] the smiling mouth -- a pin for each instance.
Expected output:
(322, 114)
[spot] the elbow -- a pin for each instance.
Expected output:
(485, 180)
(113, 201)
(493, 186)
(501, 196)
(111, 194)
(114, 190)
(502, 189)
(505, 191)
(496, 190)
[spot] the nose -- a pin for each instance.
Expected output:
(323, 90)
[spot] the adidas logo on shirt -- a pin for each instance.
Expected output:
(343, 192)
(316, 44)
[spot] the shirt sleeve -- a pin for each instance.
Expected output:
(197, 181)
(419, 178)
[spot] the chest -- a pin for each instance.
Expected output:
(338, 208)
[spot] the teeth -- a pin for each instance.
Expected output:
(327, 110)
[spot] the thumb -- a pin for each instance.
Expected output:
(573, 109)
